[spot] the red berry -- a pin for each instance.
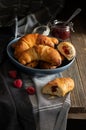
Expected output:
(31, 90)
(18, 83)
(12, 73)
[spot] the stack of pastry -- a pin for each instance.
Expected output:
(39, 50)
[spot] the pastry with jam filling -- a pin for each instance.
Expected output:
(67, 49)
(59, 86)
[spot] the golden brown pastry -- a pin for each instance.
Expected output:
(32, 64)
(67, 49)
(28, 56)
(45, 40)
(31, 40)
(24, 43)
(43, 53)
(58, 87)
(20, 47)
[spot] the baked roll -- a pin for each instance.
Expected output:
(24, 43)
(20, 47)
(41, 53)
(58, 87)
(28, 56)
(32, 64)
(45, 40)
(31, 40)
(67, 49)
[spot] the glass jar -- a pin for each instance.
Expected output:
(60, 30)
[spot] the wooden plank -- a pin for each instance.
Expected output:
(77, 116)
(76, 94)
(78, 70)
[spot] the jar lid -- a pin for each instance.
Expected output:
(43, 29)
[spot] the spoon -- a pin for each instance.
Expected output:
(76, 12)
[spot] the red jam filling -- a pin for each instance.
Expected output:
(65, 48)
(54, 88)
(61, 31)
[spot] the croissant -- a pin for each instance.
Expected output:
(28, 56)
(32, 64)
(45, 40)
(31, 40)
(24, 43)
(20, 47)
(67, 49)
(43, 53)
(59, 86)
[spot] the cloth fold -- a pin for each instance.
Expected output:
(16, 111)
(27, 24)
(50, 113)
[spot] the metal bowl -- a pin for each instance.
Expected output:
(36, 71)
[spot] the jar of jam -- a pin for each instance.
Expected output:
(60, 30)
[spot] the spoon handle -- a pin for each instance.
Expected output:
(76, 12)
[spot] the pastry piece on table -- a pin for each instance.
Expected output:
(43, 53)
(58, 87)
(67, 49)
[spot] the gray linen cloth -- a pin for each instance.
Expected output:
(27, 24)
(49, 113)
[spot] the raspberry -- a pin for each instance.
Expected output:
(12, 73)
(31, 90)
(18, 83)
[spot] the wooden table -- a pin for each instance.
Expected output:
(77, 71)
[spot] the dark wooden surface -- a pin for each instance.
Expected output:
(77, 71)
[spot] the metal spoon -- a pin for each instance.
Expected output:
(76, 12)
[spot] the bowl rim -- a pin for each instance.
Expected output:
(36, 70)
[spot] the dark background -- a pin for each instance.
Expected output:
(71, 5)
(9, 8)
